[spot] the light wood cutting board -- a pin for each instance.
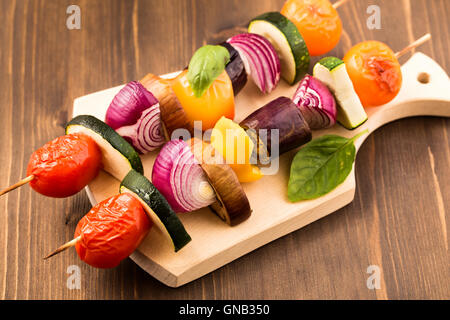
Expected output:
(425, 91)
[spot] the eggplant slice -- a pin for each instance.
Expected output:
(173, 116)
(280, 114)
(232, 204)
(235, 69)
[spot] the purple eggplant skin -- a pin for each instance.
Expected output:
(235, 69)
(284, 115)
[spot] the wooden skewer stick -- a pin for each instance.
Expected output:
(66, 245)
(18, 184)
(339, 3)
(413, 45)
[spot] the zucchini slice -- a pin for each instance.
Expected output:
(157, 208)
(118, 156)
(332, 72)
(287, 41)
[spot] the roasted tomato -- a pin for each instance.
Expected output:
(216, 102)
(317, 21)
(111, 231)
(64, 166)
(374, 71)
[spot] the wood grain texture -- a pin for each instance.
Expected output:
(398, 217)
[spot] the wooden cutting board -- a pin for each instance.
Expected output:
(425, 91)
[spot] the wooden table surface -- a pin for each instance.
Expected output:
(398, 220)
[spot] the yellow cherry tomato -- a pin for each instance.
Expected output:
(374, 71)
(216, 102)
(233, 143)
(317, 21)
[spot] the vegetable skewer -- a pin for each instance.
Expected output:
(109, 232)
(72, 157)
(88, 146)
(115, 227)
(273, 129)
(192, 175)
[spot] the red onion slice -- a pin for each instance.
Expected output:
(180, 178)
(268, 49)
(316, 103)
(266, 70)
(260, 59)
(253, 65)
(134, 113)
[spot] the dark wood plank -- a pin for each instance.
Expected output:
(397, 220)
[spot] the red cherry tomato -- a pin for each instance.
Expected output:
(64, 166)
(111, 231)
(374, 71)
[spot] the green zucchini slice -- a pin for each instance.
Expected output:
(287, 41)
(157, 208)
(333, 73)
(118, 156)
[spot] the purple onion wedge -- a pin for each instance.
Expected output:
(260, 59)
(134, 113)
(180, 178)
(280, 114)
(316, 103)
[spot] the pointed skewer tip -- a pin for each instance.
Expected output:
(339, 3)
(65, 246)
(413, 45)
(17, 185)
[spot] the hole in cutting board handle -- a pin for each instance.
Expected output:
(423, 77)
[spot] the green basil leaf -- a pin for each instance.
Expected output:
(320, 166)
(206, 65)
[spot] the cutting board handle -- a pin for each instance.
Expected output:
(425, 92)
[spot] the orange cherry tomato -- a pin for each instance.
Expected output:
(318, 23)
(374, 71)
(111, 231)
(64, 166)
(216, 102)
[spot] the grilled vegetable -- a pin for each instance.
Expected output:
(109, 232)
(375, 72)
(235, 69)
(233, 143)
(260, 59)
(118, 156)
(172, 114)
(157, 208)
(287, 41)
(217, 101)
(280, 114)
(232, 204)
(317, 21)
(316, 103)
(179, 177)
(134, 114)
(333, 73)
(64, 166)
